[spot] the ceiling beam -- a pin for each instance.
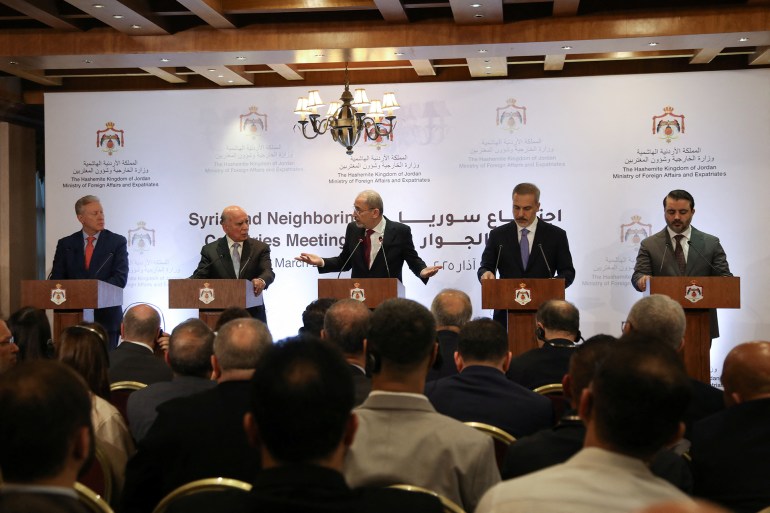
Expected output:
(286, 71)
(132, 17)
(488, 67)
(565, 7)
(554, 62)
(481, 12)
(44, 11)
(423, 67)
(167, 74)
(225, 76)
(705, 55)
(760, 57)
(392, 10)
(209, 11)
(33, 75)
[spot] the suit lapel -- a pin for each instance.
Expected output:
(227, 260)
(245, 255)
(698, 244)
(99, 256)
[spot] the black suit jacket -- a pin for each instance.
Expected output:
(362, 384)
(398, 248)
(132, 362)
(704, 258)
(109, 263)
(541, 366)
(447, 345)
(483, 394)
(505, 240)
(194, 437)
(305, 488)
(731, 456)
(30, 502)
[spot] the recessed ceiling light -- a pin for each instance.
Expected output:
(488, 67)
(653, 44)
(743, 39)
(240, 58)
(475, 6)
(220, 76)
(13, 63)
(117, 16)
(482, 51)
(230, 81)
(136, 26)
(212, 69)
(478, 15)
(566, 47)
(164, 60)
(319, 55)
(399, 54)
(97, 6)
(87, 61)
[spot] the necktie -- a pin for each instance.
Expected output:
(89, 250)
(368, 247)
(236, 260)
(679, 253)
(524, 247)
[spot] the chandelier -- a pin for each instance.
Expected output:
(346, 119)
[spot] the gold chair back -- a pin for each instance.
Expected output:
(550, 389)
(448, 505)
(92, 500)
(212, 484)
(502, 439)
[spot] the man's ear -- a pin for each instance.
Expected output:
(324, 334)
(81, 444)
(251, 429)
(459, 363)
(216, 370)
(507, 361)
(566, 385)
(433, 355)
(585, 409)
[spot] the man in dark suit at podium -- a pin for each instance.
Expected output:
(236, 256)
(526, 248)
(375, 246)
(94, 253)
(668, 252)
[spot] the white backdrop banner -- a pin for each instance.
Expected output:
(603, 150)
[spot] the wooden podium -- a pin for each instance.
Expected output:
(698, 295)
(210, 297)
(72, 301)
(521, 297)
(370, 291)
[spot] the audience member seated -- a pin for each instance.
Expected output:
(229, 314)
(451, 309)
(134, 359)
(401, 438)
(45, 437)
(481, 392)
(84, 348)
(731, 449)
(346, 324)
(558, 444)
(32, 333)
(9, 351)
(633, 408)
(300, 419)
(189, 356)
(658, 317)
(201, 435)
(313, 316)
(558, 331)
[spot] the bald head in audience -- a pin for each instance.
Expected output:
(346, 324)
(141, 323)
(190, 348)
(746, 373)
(658, 317)
(237, 348)
(452, 309)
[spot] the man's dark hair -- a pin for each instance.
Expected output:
(402, 333)
(228, 314)
(640, 394)
(32, 333)
(483, 340)
(680, 194)
(190, 348)
(559, 315)
(302, 395)
(585, 360)
(347, 324)
(42, 405)
(313, 316)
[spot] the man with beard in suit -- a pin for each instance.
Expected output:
(526, 248)
(236, 256)
(375, 246)
(667, 253)
(94, 253)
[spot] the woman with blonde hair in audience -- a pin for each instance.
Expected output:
(84, 348)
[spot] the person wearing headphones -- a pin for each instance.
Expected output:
(558, 331)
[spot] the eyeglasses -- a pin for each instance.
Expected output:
(360, 211)
(7, 342)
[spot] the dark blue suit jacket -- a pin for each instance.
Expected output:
(398, 248)
(483, 394)
(109, 262)
(505, 240)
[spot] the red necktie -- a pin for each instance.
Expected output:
(89, 250)
(679, 254)
(368, 247)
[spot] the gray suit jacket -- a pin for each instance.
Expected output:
(402, 439)
(705, 258)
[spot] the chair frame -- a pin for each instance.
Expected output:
(552, 388)
(494, 432)
(92, 500)
(127, 385)
(210, 484)
(448, 505)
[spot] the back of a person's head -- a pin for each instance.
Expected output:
(451, 307)
(482, 340)
(302, 395)
(346, 324)
(240, 343)
(584, 361)
(658, 317)
(559, 315)
(190, 348)
(141, 323)
(83, 348)
(31, 332)
(746, 371)
(313, 316)
(640, 393)
(43, 403)
(402, 333)
(228, 314)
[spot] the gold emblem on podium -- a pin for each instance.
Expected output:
(58, 295)
(523, 294)
(206, 294)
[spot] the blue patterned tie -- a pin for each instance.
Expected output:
(524, 247)
(236, 260)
